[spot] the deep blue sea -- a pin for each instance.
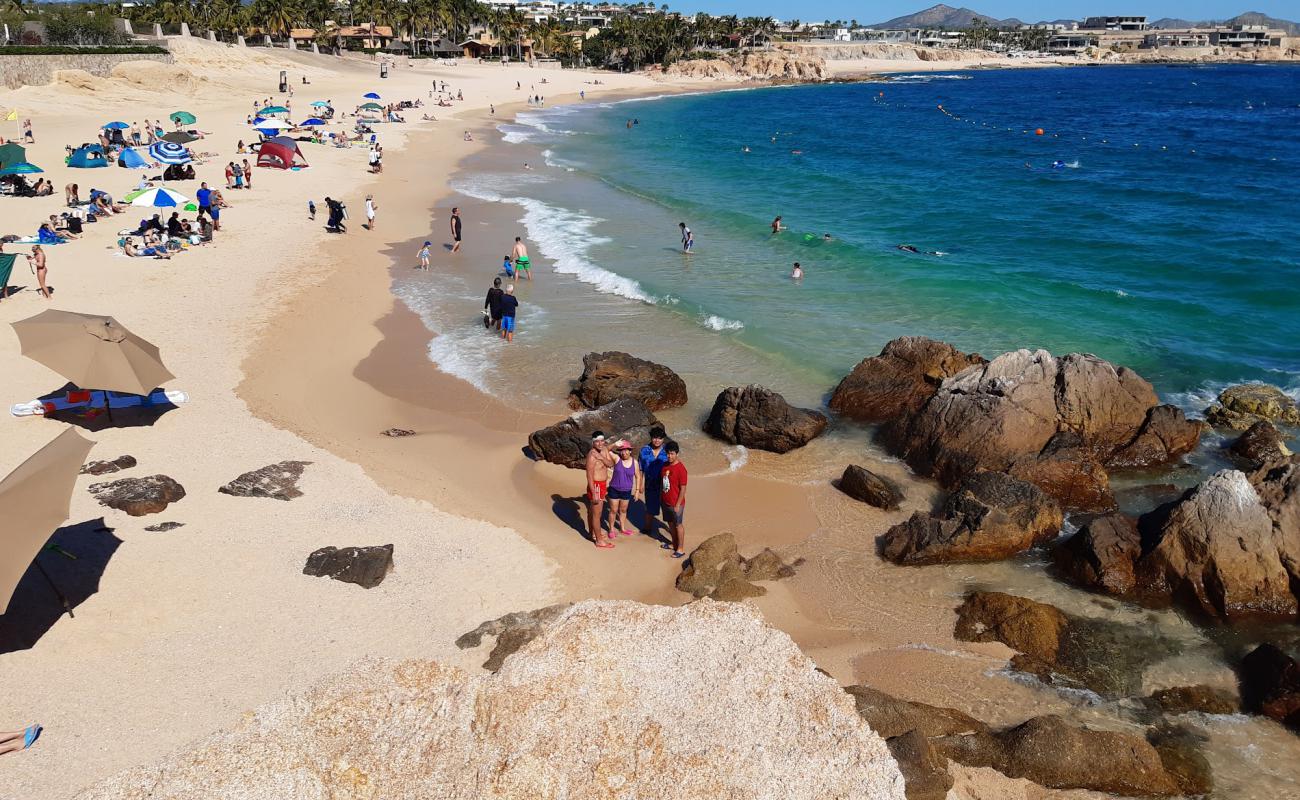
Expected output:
(1152, 222)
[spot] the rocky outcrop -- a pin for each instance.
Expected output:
(1260, 444)
(1054, 753)
(1073, 478)
(397, 433)
(163, 527)
(1105, 657)
(274, 481)
(107, 467)
(1270, 684)
(1103, 555)
(365, 566)
(862, 484)
(1180, 754)
(568, 441)
(611, 376)
(758, 65)
(925, 770)
(1165, 436)
(1239, 407)
(1200, 699)
(750, 717)
(139, 496)
(1278, 486)
(717, 570)
(757, 417)
(900, 380)
(890, 716)
(511, 632)
(990, 516)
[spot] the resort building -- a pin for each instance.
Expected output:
(1247, 36)
(1115, 23)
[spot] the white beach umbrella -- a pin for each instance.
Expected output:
(161, 198)
(272, 122)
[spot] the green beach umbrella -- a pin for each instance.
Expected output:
(372, 107)
(21, 168)
(183, 117)
(273, 110)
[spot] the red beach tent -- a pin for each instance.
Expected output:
(280, 153)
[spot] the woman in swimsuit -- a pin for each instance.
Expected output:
(625, 484)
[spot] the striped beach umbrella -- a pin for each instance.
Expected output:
(160, 198)
(183, 117)
(21, 168)
(169, 153)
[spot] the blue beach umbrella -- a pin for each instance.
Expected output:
(160, 198)
(169, 153)
(311, 121)
(116, 126)
(320, 104)
(370, 96)
(131, 159)
(21, 168)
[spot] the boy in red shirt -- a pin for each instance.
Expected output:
(673, 497)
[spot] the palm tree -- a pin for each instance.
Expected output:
(276, 17)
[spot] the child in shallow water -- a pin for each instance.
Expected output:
(508, 267)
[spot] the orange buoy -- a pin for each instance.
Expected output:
(1038, 131)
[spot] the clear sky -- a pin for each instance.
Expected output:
(1028, 10)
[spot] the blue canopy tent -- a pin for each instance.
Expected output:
(88, 156)
(131, 159)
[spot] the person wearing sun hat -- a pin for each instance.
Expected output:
(625, 484)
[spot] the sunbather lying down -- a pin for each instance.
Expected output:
(129, 248)
(20, 739)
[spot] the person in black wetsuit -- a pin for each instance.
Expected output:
(492, 305)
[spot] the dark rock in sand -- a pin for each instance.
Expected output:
(989, 517)
(163, 527)
(1241, 406)
(862, 484)
(568, 441)
(1179, 749)
(716, 570)
(900, 380)
(1102, 555)
(889, 716)
(1218, 552)
(138, 496)
(1200, 698)
(1054, 753)
(1105, 657)
(397, 433)
(106, 467)
(275, 481)
(512, 631)
(925, 771)
(611, 376)
(757, 417)
(1270, 684)
(365, 566)
(1260, 444)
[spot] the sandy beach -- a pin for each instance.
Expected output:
(292, 346)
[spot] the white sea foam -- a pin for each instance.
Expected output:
(925, 78)
(715, 323)
(460, 347)
(737, 457)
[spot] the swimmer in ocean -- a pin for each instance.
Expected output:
(777, 227)
(797, 272)
(907, 248)
(826, 237)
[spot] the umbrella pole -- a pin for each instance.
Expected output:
(66, 605)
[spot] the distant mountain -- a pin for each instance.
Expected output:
(1171, 22)
(1249, 18)
(944, 16)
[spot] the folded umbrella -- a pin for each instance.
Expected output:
(92, 351)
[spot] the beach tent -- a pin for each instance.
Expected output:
(11, 153)
(131, 159)
(280, 153)
(88, 156)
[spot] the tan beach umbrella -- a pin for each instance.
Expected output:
(35, 500)
(93, 352)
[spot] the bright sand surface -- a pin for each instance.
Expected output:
(291, 346)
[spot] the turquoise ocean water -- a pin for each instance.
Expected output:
(1153, 222)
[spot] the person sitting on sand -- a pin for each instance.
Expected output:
(71, 194)
(21, 739)
(129, 249)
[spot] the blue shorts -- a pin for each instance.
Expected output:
(651, 504)
(620, 494)
(508, 324)
(674, 517)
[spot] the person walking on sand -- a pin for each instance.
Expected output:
(230, 175)
(599, 460)
(509, 307)
(424, 257)
(37, 262)
(688, 238)
(28, 136)
(248, 175)
(13, 741)
(652, 461)
(455, 230)
(520, 254)
(673, 486)
(371, 208)
(624, 485)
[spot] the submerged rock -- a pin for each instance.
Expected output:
(567, 441)
(890, 716)
(1270, 684)
(139, 496)
(989, 517)
(1199, 698)
(862, 484)
(275, 481)
(758, 417)
(611, 376)
(107, 467)
(1179, 749)
(716, 569)
(925, 770)
(365, 566)
(1102, 556)
(1260, 444)
(1241, 406)
(701, 701)
(900, 380)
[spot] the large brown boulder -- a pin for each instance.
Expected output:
(890, 716)
(275, 481)
(1200, 698)
(1218, 552)
(1054, 753)
(900, 380)
(717, 570)
(862, 484)
(365, 566)
(1076, 480)
(924, 768)
(1103, 554)
(567, 442)
(1261, 444)
(1165, 436)
(1241, 406)
(757, 417)
(1278, 486)
(1270, 684)
(611, 376)
(989, 517)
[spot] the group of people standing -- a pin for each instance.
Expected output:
(656, 477)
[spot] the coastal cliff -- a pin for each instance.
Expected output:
(758, 65)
